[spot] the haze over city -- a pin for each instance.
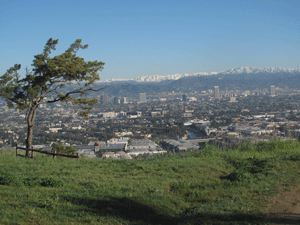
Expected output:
(137, 38)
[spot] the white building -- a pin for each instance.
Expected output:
(143, 98)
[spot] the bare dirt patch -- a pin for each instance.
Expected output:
(285, 207)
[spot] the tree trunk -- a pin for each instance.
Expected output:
(30, 122)
(29, 140)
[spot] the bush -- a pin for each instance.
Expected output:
(246, 168)
(61, 149)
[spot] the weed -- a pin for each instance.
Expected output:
(90, 184)
(51, 182)
(10, 179)
(32, 181)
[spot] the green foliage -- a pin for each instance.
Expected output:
(246, 168)
(13, 180)
(227, 205)
(51, 182)
(10, 179)
(210, 186)
(62, 149)
(32, 181)
(60, 78)
(90, 184)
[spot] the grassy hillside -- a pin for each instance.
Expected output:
(205, 187)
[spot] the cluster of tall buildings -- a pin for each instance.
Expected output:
(122, 100)
(272, 91)
(116, 100)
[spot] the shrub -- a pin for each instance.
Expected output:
(61, 149)
(246, 168)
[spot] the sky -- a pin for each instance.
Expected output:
(158, 37)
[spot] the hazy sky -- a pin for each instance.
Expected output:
(137, 38)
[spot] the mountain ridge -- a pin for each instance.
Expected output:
(243, 78)
(166, 79)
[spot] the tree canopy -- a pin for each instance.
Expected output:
(66, 78)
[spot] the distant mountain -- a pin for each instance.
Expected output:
(248, 70)
(241, 73)
(259, 73)
(243, 78)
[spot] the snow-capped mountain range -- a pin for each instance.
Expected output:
(238, 71)
(249, 70)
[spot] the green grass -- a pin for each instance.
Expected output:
(210, 186)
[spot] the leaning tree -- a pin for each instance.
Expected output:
(63, 78)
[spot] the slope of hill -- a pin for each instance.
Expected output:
(208, 186)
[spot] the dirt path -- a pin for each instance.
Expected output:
(285, 207)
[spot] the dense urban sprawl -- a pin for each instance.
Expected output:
(126, 127)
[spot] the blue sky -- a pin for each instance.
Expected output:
(137, 38)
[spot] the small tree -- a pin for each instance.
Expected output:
(66, 78)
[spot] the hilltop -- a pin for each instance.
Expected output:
(208, 186)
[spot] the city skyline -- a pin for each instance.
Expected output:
(158, 38)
